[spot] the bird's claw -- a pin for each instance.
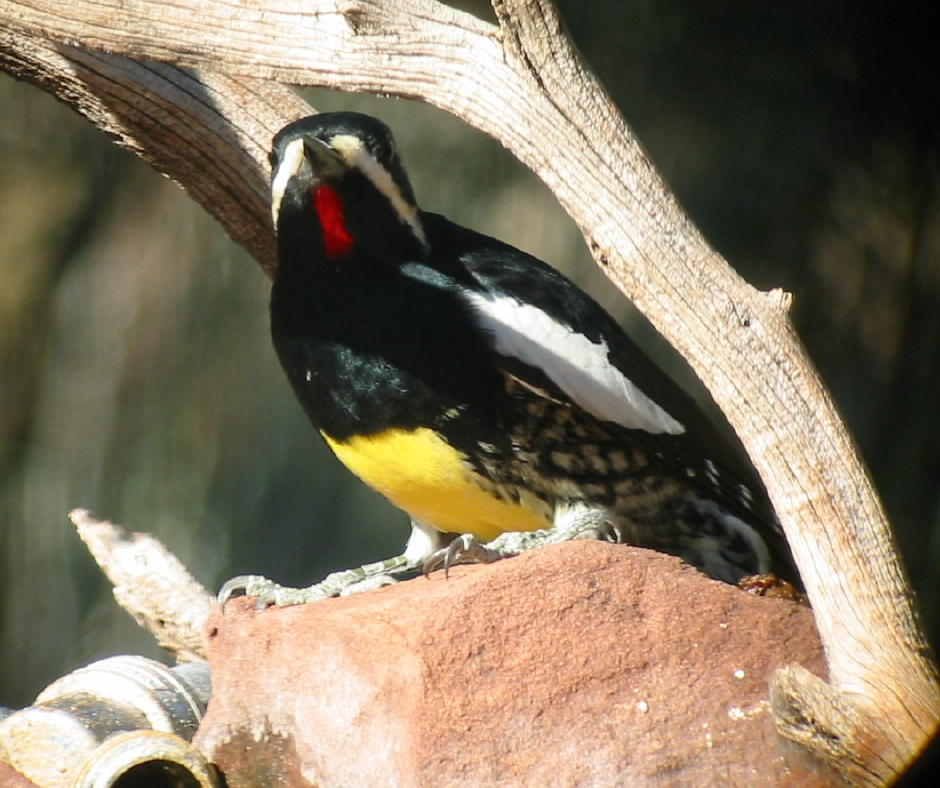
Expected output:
(268, 593)
(348, 581)
(464, 549)
(604, 531)
(236, 586)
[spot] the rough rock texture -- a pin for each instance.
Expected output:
(577, 664)
(10, 778)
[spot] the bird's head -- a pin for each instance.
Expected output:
(337, 176)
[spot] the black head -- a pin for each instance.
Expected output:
(338, 175)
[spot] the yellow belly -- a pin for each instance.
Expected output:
(424, 475)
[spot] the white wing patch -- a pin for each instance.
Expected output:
(574, 363)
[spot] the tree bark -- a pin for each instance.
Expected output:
(151, 584)
(522, 82)
(209, 132)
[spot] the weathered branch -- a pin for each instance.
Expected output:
(209, 132)
(151, 584)
(523, 83)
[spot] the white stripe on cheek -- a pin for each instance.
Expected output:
(579, 367)
(289, 166)
(355, 155)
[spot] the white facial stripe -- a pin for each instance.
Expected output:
(289, 166)
(355, 155)
(576, 365)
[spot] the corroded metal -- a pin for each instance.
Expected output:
(117, 716)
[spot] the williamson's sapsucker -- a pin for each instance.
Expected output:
(479, 389)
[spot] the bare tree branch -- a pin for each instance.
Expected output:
(209, 132)
(150, 583)
(522, 83)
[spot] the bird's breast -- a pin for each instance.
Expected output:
(420, 472)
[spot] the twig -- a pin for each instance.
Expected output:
(150, 583)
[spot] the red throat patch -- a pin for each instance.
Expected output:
(336, 238)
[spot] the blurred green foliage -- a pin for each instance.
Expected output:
(137, 378)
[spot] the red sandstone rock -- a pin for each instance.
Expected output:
(578, 664)
(10, 778)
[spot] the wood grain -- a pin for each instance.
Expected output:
(522, 82)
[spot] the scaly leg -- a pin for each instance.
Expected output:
(575, 522)
(423, 542)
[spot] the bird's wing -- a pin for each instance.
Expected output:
(554, 337)
(549, 329)
(581, 367)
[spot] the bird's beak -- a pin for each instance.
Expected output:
(318, 159)
(324, 161)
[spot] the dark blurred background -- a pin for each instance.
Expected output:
(137, 377)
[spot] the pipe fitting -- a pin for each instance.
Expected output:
(120, 716)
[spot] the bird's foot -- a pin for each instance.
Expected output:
(267, 593)
(601, 529)
(467, 549)
(589, 525)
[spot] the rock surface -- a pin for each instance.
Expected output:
(578, 664)
(10, 778)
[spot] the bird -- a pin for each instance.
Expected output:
(478, 388)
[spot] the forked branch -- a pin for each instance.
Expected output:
(523, 83)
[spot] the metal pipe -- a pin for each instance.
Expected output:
(119, 718)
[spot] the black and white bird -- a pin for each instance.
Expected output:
(479, 389)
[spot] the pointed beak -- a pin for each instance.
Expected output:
(324, 161)
(318, 159)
